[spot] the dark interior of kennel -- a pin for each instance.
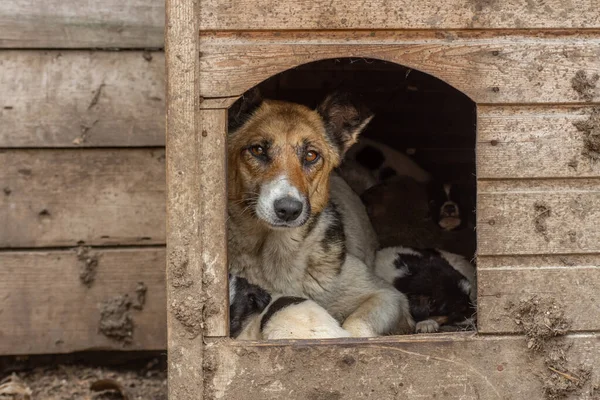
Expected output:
(415, 113)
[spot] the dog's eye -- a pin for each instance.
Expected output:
(257, 151)
(311, 156)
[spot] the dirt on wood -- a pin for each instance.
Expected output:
(561, 379)
(140, 292)
(542, 212)
(585, 85)
(544, 325)
(88, 265)
(540, 320)
(189, 314)
(591, 135)
(178, 264)
(80, 382)
(116, 317)
(116, 321)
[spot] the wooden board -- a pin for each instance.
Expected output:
(81, 24)
(538, 217)
(488, 67)
(399, 14)
(213, 217)
(51, 198)
(573, 288)
(458, 366)
(45, 308)
(533, 142)
(81, 98)
(185, 201)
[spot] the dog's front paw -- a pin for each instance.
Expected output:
(427, 326)
(358, 328)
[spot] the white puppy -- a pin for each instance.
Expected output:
(255, 315)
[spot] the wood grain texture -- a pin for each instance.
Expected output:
(520, 218)
(533, 142)
(488, 67)
(398, 14)
(81, 98)
(538, 261)
(574, 289)
(46, 309)
(213, 217)
(81, 24)
(456, 366)
(185, 294)
(54, 198)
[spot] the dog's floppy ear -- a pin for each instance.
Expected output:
(243, 108)
(345, 117)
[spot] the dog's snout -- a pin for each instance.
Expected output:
(449, 209)
(288, 209)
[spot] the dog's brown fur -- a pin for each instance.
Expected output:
(287, 128)
(329, 257)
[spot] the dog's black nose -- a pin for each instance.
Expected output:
(288, 208)
(449, 209)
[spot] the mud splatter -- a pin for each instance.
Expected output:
(178, 264)
(88, 265)
(140, 292)
(116, 321)
(542, 213)
(591, 135)
(585, 85)
(189, 314)
(540, 320)
(116, 314)
(560, 379)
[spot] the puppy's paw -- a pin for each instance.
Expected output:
(427, 326)
(358, 328)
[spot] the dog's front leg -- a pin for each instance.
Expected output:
(385, 311)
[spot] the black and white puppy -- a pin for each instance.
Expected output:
(440, 286)
(447, 205)
(254, 315)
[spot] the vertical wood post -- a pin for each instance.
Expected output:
(185, 299)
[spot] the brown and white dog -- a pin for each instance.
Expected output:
(297, 229)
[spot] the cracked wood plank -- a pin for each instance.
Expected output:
(82, 99)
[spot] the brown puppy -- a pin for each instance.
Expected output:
(297, 229)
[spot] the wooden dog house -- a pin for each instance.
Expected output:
(532, 69)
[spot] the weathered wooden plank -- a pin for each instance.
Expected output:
(548, 219)
(489, 68)
(81, 98)
(46, 308)
(81, 24)
(534, 142)
(398, 14)
(538, 261)
(185, 201)
(100, 197)
(213, 217)
(457, 366)
(574, 289)
(217, 103)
